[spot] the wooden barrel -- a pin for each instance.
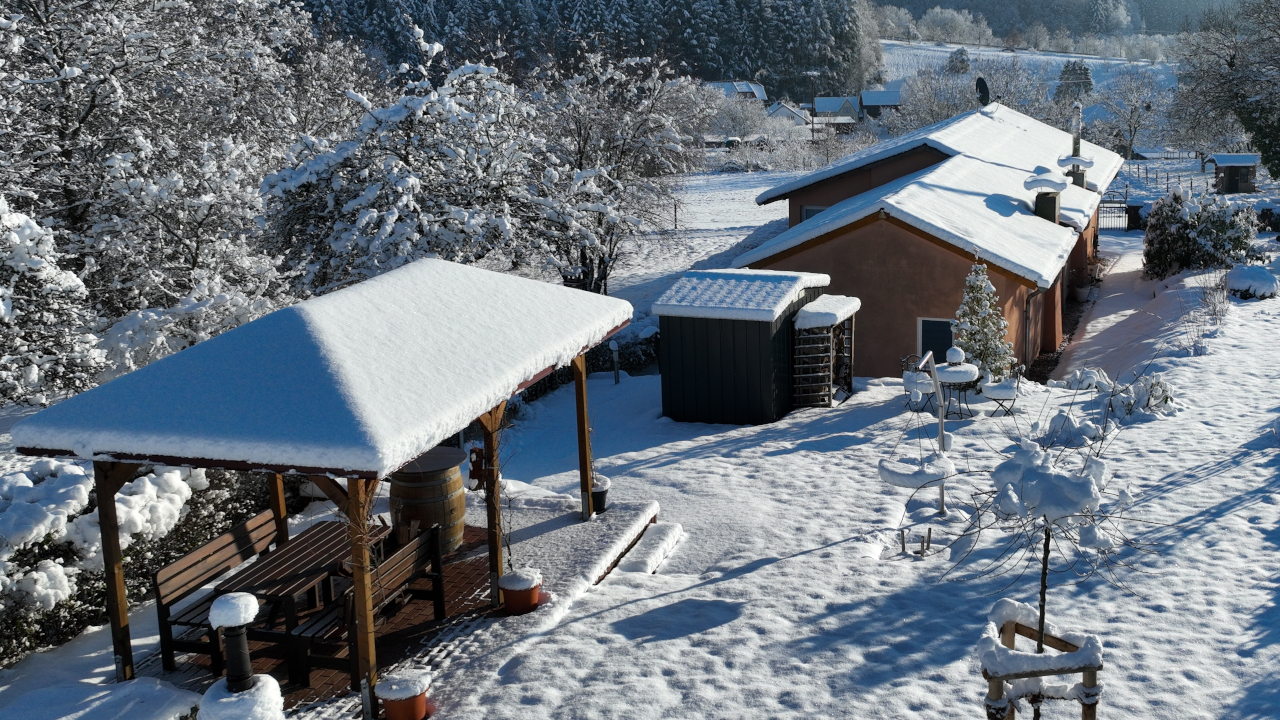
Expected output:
(429, 490)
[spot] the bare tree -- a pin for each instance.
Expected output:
(1135, 99)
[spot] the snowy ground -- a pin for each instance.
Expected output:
(788, 596)
(903, 59)
(1146, 180)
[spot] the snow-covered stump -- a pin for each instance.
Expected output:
(1012, 675)
(241, 695)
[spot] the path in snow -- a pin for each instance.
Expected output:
(1111, 332)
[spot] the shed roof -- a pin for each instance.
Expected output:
(827, 311)
(994, 134)
(363, 380)
(833, 104)
(756, 295)
(734, 88)
(1235, 159)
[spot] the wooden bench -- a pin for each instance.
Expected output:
(175, 582)
(332, 629)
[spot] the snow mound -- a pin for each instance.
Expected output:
(960, 373)
(1085, 379)
(113, 701)
(1006, 389)
(933, 470)
(233, 610)
(1252, 281)
(260, 702)
(522, 579)
(955, 355)
(1047, 181)
(1030, 486)
(654, 546)
(1066, 430)
(403, 686)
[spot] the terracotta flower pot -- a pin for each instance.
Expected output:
(414, 708)
(519, 602)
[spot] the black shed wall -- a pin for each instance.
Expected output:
(736, 372)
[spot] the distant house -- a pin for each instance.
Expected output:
(787, 111)
(874, 101)
(899, 224)
(1235, 172)
(741, 89)
(835, 107)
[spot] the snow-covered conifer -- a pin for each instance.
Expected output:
(1191, 234)
(980, 327)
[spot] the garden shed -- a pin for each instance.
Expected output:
(728, 342)
(1235, 172)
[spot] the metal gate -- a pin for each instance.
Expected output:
(1113, 216)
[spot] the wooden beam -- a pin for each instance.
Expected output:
(1089, 711)
(584, 433)
(211, 463)
(278, 510)
(331, 490)
(491, 424)
(360, 494)
(1050, 641)
(109, 477)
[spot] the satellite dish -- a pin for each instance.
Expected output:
(984, 93)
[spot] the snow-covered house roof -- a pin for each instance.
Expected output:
(362, 380)
(1235, 159)
(787, 110)
(881, 98)
(975, 200)
(835, 104)
(741, 89)
(757, 295)
(991, 133)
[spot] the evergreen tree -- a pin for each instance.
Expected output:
(1074, 82)
(980, 328)
(958, 62)
(1183, 234)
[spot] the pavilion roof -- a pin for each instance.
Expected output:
(359, 381)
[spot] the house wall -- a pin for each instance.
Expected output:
(833, 190)
(900, 275)
(1086, 248)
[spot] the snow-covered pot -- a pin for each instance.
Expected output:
(520, 590)
(404, 696)
(1080, 293)
(600, 493)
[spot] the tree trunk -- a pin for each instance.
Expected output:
(1044, 589)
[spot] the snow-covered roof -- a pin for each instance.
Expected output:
(783, 107)
(1235, 159)
(741, 88)
(757, 295)
(976, 199)
(834, 104)
(826, 311)
(881, 98)
(993, 133)
(364, 379)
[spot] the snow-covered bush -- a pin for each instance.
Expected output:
(1187, 234)
(980, 327)
(51, 582)
(1252, 281)
(1146, 396)
(47, 348)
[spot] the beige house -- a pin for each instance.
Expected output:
(899, 224)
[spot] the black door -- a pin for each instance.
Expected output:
(935, 335)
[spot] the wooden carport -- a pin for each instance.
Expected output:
(351, 386)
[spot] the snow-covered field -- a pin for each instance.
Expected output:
(903, 60)
(788, 596)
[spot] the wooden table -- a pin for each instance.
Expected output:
(300, 566)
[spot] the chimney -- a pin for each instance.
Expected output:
(1076, 173)
(1048, 187)
(1048, 206)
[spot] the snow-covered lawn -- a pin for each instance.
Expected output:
(788, 596)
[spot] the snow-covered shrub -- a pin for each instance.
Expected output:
(980, 327)
(51, 582)
(1252, 281)
(47, 348)
(1067, 429)
(1146, 396)
(1187, 234)
(1085, 379)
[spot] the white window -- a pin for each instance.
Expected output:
(808, 211)
(933, 334)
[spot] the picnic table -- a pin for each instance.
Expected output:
(301, 566)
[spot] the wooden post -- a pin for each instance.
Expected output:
(1009, 637)
(490, 424)
(584, 433)
(1089, 711)
(108, 478)
(358, 503)
(278, 510)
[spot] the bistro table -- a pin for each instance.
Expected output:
(299, 566)
(957, 379)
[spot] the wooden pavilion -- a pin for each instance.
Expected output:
(352, 385)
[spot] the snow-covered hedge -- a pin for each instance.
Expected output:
(1252, 281)
(1190, 234)
(51, 581)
